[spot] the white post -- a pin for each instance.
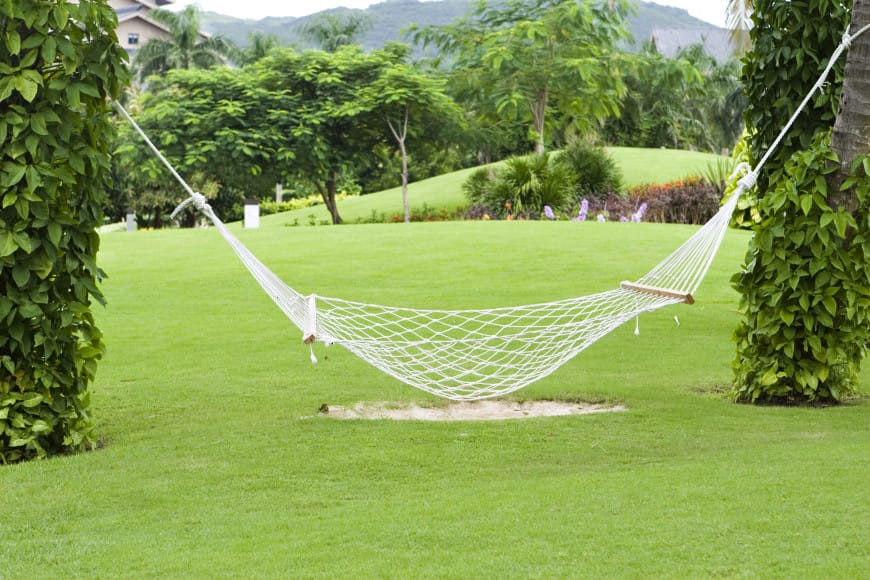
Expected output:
(252, 213)
(279, 193)
(131, 222)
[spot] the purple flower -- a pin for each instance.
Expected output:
(601, 217)
(548, 211)
(638, 215)
(584, 210)
(623, 219)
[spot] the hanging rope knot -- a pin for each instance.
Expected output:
(847, 39)
(748, 181)
(198, 200)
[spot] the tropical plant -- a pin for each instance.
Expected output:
(592, 172)
(690, 101)
(187, 47)
(332, 31)
(739, 21)
(259, 45)
(522, 186)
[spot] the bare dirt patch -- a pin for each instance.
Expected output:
(489, 410)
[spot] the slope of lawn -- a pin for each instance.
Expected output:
(215, 466)
(445, 191)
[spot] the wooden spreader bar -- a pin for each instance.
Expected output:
(656, 291)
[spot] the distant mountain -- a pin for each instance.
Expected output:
(390, 17)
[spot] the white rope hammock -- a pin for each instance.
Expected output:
(477, 354)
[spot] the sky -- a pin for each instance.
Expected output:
(712, 11)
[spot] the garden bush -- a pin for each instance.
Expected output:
(594, 173)
(521, 187)
(691, 200)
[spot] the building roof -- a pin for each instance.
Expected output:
(135, 13)
(717, 42)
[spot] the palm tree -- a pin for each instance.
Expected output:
(739, 19)
(332, 31)
(259, 45)
(185, 48)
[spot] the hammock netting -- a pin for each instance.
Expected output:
(477, 354)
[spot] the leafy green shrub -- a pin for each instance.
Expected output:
(478, 185)
(521, 187)
(593, 171)
(63, 63)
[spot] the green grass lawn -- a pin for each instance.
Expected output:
(638, 166)
(213, 465)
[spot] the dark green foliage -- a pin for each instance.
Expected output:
(59, 63)
(221, 129)
(594, 173)
(806, 286)
(687, 102)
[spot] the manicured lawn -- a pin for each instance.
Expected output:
(214, 468)
(638, 166)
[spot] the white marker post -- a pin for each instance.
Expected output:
(252, 213)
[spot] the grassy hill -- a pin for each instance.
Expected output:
(390, 17)
(445, 191)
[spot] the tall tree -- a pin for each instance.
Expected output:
(60, 63)
(658, 110)
(336, 132)
(526, 58)
(185, 48)
(806, 312)
(259, 45)
(738, 16)
(409, 101)
(332, 31)
(216, 126)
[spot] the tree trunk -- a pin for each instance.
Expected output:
(851, 137)
(327, 193)
(405, 203)
(400, 138)
(539, 113)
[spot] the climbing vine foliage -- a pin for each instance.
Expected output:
(59, 62)
(806, 285)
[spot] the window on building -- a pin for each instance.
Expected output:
(133, 38)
